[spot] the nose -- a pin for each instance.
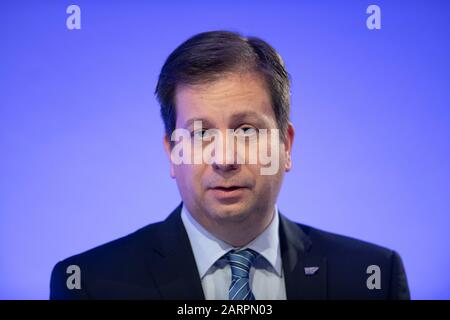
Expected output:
(225, 167)
(226, 155)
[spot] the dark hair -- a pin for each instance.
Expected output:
(207, 56)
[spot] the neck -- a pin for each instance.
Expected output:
(237, 232)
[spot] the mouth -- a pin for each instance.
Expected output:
(228, 189)
(226, 194)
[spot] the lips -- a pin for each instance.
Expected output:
(231, 188)
(229, 193)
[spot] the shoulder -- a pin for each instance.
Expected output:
(112, 265)
(351, 262)
(324, 243)
(122, 268)
(124, 247)
(336, 244)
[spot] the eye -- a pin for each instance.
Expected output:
(245, 131)
(200, 134)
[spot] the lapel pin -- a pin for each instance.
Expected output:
(309, 271)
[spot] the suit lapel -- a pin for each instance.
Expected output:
(175, 273)
(172, 262)
(302, 278)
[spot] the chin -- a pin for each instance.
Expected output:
(235, 212)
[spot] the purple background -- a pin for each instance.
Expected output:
(82, 161)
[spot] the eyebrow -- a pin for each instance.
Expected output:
(234, 118)
(191, 121)
(247, 114)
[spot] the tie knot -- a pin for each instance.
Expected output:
(241, 262)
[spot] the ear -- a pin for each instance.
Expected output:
(288, 146)
(168, 149)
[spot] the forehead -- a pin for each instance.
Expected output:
(223, 99)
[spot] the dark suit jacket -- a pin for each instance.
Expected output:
(156, 262)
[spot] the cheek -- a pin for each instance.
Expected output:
(270, 184)
(267, 182)
(189, 176)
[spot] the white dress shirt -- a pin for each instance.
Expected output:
(266, 274)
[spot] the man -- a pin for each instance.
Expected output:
(227, 239)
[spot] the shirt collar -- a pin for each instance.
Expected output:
(208, 249)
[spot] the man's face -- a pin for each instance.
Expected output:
(219, 193)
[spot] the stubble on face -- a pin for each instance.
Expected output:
(237, 100)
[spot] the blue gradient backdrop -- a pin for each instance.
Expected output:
(82, 161)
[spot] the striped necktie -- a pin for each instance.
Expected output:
(240, 263)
